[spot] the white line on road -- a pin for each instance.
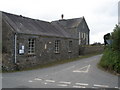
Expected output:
(65, 82)
(63, 85)
(45, 83)
(82, 84)
(38, 79)
(30, 81)
(95, 85)
(78, 71)
(52, 81)
(79, 87)
(82, 69)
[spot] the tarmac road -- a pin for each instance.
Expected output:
(78, 74)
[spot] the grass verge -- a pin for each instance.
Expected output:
(110, 61)
(56, 63)
(107, 70)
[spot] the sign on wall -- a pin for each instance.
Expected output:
(21, 49)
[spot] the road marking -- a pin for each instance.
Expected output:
(65, 82)
(63, 85)
(30, 81)
(45, 83)
(79, 87)
(95, 85)
(38, 79)
(82, 84)
(82, 69)
(116, 87)
(52, 81)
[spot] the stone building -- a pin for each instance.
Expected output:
(76, 27)
(29, 42)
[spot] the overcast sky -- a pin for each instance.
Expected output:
(101, 15)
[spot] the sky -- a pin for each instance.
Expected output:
(101, 15)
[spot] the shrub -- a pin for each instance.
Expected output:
(111, 56)
(116, 38)
(111, 60)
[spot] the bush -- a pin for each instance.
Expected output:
(116, 38)
(111, 55)
(111, 60)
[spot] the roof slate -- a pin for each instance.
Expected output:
(26, 25)
(69, 23)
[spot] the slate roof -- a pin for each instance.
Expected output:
(26, 25)
(69, 23)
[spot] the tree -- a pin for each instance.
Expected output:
(116, 38)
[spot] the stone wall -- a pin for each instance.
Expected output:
(84, 50)
(7, 47)
(43, 55)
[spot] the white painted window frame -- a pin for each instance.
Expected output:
(31, 47)
(57, 46)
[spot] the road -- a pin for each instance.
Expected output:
(78, 74)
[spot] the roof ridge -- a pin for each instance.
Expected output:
(24, 17)
(68, 19)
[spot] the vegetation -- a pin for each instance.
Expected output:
(111, 57)
(96, 44)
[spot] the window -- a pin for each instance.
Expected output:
(82, 35)
(57, 46)
(86, 39)
(70, 46)
(31, 49)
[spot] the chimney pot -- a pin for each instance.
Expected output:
(62, 16)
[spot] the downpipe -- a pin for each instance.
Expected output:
(15, 61)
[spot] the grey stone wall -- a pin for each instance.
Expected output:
(82, 28)
(42, 55)
(84, 50)
(7, 47)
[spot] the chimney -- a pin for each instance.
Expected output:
(62, 16)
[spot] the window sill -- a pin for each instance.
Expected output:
(57, 52)
(31, 55)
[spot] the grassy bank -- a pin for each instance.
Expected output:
(110, 60)
(111, 57)
(57, 62)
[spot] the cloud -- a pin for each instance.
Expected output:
(101, 15)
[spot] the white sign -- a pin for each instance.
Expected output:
(21, 51)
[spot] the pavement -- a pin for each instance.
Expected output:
(82, 73)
